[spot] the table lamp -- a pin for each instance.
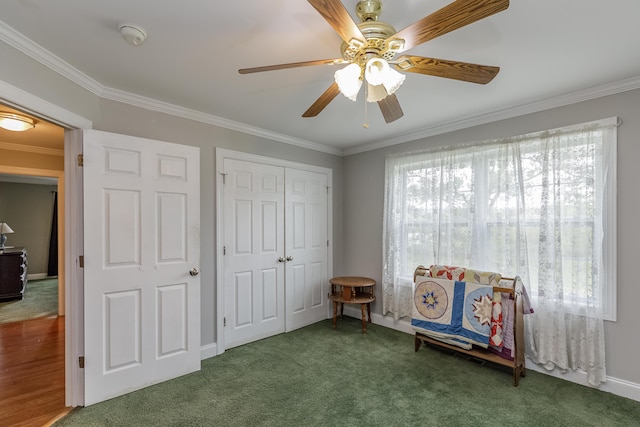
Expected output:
(4, 230)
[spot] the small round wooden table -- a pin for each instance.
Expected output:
(352, 290)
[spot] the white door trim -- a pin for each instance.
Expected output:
(18, 98)
(74, 247)
(221, 154)
(74, 327)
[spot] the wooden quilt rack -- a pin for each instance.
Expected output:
(517, 364)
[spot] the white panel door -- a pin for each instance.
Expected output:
(254, 251)
(141, 240)
(306, 247)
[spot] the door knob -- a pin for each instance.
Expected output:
(289, 258)
(281, 259)
(194, 271)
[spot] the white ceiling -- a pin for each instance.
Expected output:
(550, 52)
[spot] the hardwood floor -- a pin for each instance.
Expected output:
(31, 372)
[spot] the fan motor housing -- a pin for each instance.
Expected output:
(368, 10)
(375, 44)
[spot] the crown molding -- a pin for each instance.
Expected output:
(43, 56)
(186, 113)
(18, 41)
(38, 53)
(505, 113)
(31, 149)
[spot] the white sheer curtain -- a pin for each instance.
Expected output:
(537, 206)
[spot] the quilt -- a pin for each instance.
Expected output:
(453, 310)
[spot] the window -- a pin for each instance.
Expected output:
(541, 206)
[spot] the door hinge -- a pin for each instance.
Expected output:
(224, 177)
(81, 261)
(80, 159)
(224, 323)
(224, 250)
(327, 243)
(81, 362)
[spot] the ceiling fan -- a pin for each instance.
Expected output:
(370, 48)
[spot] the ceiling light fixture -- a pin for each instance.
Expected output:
(381, 79)
(371, 57)
(349, 80)
(16, 122)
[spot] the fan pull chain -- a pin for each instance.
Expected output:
(366, 115)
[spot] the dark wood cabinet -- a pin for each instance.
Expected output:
(13, 273)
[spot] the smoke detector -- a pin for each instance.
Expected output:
(133, 34)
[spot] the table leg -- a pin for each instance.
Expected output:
(335, 313)
(369, 311)
(341, 309)
(364, 318)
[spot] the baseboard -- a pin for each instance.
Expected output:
(378, 319)
(208, 350)
(36, 276)
(613, 385)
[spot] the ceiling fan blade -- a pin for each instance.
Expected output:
(334, 12)
(323, 101)
(457, 70)
(390, 108)
(291, 65)
(449, 18)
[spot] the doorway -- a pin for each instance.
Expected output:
(32, 168)
(69, 273)
(28, 206)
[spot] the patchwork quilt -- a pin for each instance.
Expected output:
(453, 310)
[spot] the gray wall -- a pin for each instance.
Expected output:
(28, 208)
(24, 73)
(363, 207)
(359, 180)
(121, 118)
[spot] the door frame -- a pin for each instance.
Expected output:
(72, 189)
(221, 155)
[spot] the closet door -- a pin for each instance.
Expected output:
(253, 251)
(273, 258)
(306, 247)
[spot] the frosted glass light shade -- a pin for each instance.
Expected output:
(376, 93)
(376, 70)
(16, 122)
(348, 80)
(379, 73)
(392, 81)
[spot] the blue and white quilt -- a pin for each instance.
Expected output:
(456, 312)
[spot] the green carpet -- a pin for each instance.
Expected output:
(40, 300)
(317, 376)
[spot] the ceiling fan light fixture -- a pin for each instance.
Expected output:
(376, 93)
(376, 70)
(348, 81)
(379, 73)
(392, 81)
(16, 122)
